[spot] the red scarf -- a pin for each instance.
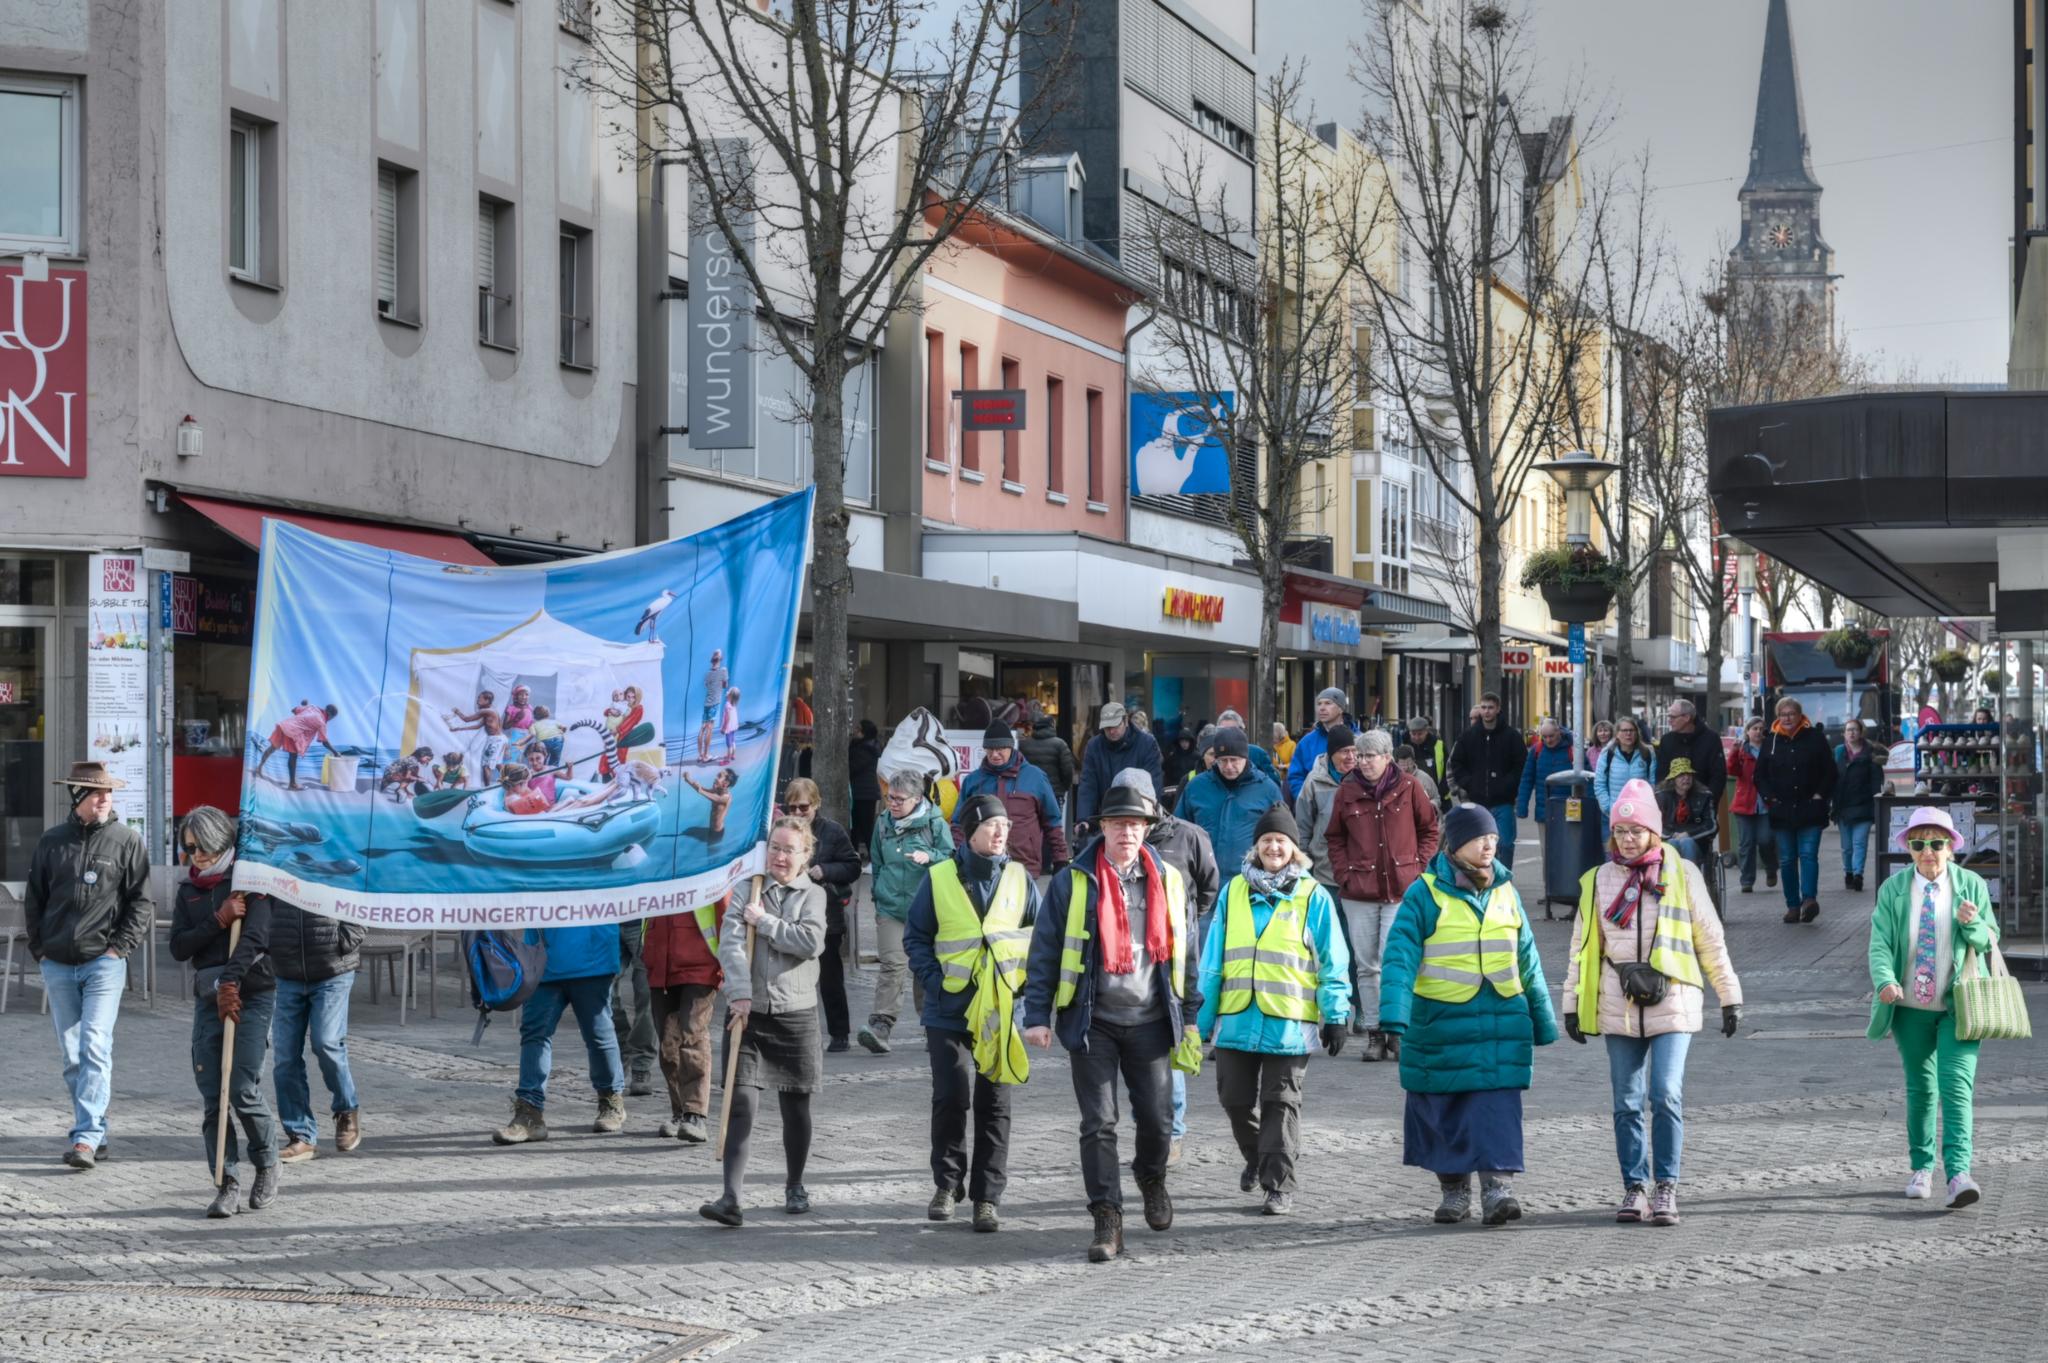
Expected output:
(1113, 919)
(1645, 874)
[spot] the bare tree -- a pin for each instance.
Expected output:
(835, 152)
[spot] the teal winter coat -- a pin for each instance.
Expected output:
(1252, 1030)
(1486, 1042)
(896, 876)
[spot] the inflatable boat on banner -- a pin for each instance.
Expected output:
(598, 833)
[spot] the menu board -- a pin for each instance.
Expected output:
(1963, 813)
(117, 679)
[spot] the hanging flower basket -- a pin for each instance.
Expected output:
(1949, 666)
(1578, 582)
(1994, 681)
(1849, 648)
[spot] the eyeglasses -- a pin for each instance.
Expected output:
(799, 809)
(1927, 844)
(191, 849)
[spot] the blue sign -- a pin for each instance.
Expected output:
(1578, 644)
(1328, 627)
(1174, 446)
(163, 601)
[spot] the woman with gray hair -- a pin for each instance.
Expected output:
(910, 838)
(228, 986)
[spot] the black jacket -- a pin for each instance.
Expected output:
(1858, 783)
(1486, 764)
(309, 947)
(1048, 752)
(88, 893)
(838, 866)
(1795, 778)
(198, 939)
(1177, 766)
(862, 754)
(1186, 847)
(1702, 747)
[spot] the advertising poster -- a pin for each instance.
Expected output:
(117, 678)
(1174, 446)
(435, 745)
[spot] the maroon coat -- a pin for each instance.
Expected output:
(677, 953)
(1378, 848)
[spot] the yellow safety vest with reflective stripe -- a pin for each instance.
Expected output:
(1466, 949)
(707, 923)
(1072, 963)
(964, 935)
(1671, 949)
(1275, 969)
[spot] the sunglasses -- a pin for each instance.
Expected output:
(191, 849)
(1926, 844)
(799, 809)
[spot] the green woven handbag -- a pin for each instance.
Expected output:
(1988, 1005)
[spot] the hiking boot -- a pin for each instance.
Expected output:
(1635, 1205)
(986, 1219)
(671, 1128)
(795, 1200)
(1792, 915)
(1963, 1191)
(692, 1130)
(1358, 1027)
(296, 1152)
(227, 1200)
(1279, 1203)
(1664, 1204)
(1375, 1048)
(874, 1038)
(1920, 1187)
(1249, 1179)
(640, 1086)
(1158, 1205)
(611, 1114)
(1456, 1204)
(940, 1208)
(348, 1130)
(723, 1209)
(263, 1191)
(839, 1044)
(80, 1156)
(1809, 911)
(527, 1124)
(1109, 1234)
(1497, 1202)
(1390, 1046)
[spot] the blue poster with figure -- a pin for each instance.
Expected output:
(1175, 449)
(435, 745)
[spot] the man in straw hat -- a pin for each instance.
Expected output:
(88, 909)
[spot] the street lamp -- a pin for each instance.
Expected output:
(1579, 474)
(1745, 586)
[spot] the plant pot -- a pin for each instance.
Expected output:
(1578, 602)
(1850, 658)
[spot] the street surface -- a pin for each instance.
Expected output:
(429, 1243)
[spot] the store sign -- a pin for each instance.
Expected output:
(7, 694)
(721, 311)
(42, 374)
(214, 610)
(1335, 627)
(1517, 659)
(1200, 607)
(991, 409)
(1553, 668)
(117, 678)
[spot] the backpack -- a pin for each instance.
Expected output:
(504, 970)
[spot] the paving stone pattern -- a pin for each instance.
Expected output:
(431, 1244)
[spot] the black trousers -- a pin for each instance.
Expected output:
(1142, 1056)
(1262, 1095)
(832, 985)
(958, 1092)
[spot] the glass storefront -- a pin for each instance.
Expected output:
(213, 625)
(31, 700)
(1183, 689)
(869, 686)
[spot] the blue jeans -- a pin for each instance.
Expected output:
(1653, 1068)
(1687, 846)
(245, 1080)
(591, 997)
(1799, 864)
(84, 1001)
(1753, 839)
(1504, 816)
(1855, 847)
(318, 1007)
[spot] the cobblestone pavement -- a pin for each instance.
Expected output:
(429, 1243)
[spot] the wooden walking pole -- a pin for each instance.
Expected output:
(227, 1069)
(735, 1030)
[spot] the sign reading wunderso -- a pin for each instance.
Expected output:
(720, 308)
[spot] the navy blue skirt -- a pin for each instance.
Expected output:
(1462, 1133)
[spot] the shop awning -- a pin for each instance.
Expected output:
(244, 520)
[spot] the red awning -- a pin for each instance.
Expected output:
(244, 520)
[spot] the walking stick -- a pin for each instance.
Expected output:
(736, 1030)
(227, 1055)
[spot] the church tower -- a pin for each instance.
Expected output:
(1782, 270)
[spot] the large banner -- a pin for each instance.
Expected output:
(1175, 449)
(434, 745)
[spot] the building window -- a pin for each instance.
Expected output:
(1055, 435)
(248, 194)
(1223, 130)
(1208, 302)
(1095, 434)
(39, 168)
(576, 286)
(935, 397)
(574, 16)
(1013, 452)
(970, 441)
(397, 272)
(496, 274)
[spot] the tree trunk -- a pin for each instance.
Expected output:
(1266, 693)
(1489, 604)
(831, 580)
(1717, 636)
(1624, 654)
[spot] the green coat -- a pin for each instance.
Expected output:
(896, 876)
(1892, 925)
(1487, 1042)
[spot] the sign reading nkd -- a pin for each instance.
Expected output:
(720, 307)
(1182, 604)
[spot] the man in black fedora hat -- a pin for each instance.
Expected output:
(88, 910)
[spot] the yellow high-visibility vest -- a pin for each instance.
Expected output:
(964, 935)
(1071, 963)
(1276, 968)
(1671, 949)
(707, 923)
(1466, 949)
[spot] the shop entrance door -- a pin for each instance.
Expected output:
(29, 721)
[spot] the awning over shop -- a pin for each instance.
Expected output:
(244, 520)
(1383, 605)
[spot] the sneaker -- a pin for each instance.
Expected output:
(1456, 1204)
(297, 1152)
(1848, 880)
(986, 1219)
(1279, 1203)
(1749, 889)
(264, 1191)
(1249, 1179)
(671, 1128)
(692, 1129)
(838, 1046)
(1497, 1202)
(226, 1201)
(1158, 1205)
(80, 1156)
(1792, 914)
(348, 1130)
(527, 1124)
(1635, 1205)
(611, 1114)
(1963, 1191)
(1809, 911)
(1920, 1187)
(795, 1200)
(1109, 1233)
(724, 1210)
(1664, 1204)
(874, 1038)
(940, 1208)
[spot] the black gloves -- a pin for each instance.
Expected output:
(1731, 1018)
(1334, 1036)
(1571, 1027)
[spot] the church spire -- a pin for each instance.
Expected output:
(1778, 154)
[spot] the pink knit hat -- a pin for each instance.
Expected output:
(1637, 804)
(1931, 816)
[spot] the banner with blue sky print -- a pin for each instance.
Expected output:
(435, 745)
(1175, 449)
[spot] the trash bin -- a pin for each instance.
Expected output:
(1571, 837)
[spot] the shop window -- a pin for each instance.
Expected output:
(39, 175)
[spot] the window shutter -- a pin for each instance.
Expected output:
(387, 241)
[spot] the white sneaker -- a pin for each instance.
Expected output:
(1921, 1185)
(1962, 1191)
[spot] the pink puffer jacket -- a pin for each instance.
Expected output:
(1680, 1009)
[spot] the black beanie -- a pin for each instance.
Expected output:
(1231, 743)
(979, 810)
(1340, 737)
(1276, 819)
(998, 736)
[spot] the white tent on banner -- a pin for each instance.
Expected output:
(573, 674)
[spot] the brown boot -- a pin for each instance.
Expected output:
(348, 1130)
(1375, 1047)
(611, 1114)
(527, 1124)
(1109, 1234)
(1390, 1046)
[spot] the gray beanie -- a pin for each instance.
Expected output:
(1375, 741)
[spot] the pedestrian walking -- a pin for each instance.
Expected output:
(633, 1010)
(86, 908)
(1118, 745)
(1315, 805)
(1048, 752)
(1551, 755)
(1701, 746)
(681, 955)
(1382, 832)
(581, 965)
(1754, 840)
(1646, 941)
(771, 1003)
(315, 959)
(1464, 991)
(863, 757)
(1261, 760)
(1432, 759)
(1283, 745)
(834, 865)
(1227, 800)
(1625, 758)
(1113, 972)
(1603, 734)
(1795, 779)
(231, 982)
(967, 937)
(1181, 763)
(1927, 916)
(911, 837)
(1859, 780)
(1404, 758)
(1332, 709)
(1275, 983)
(1486, 769)
(1038, 835)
